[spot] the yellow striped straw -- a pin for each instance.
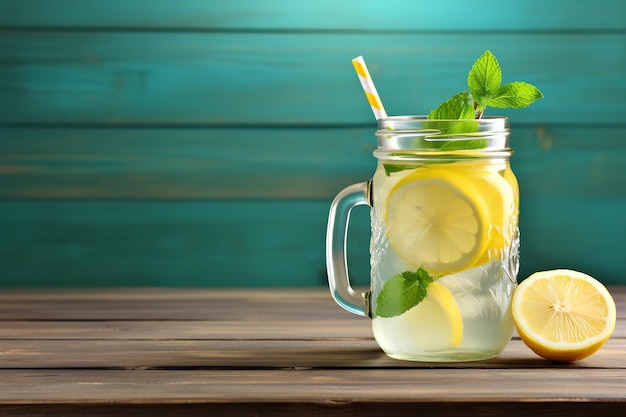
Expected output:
(369, 88)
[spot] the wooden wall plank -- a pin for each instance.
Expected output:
(277, 163)
(182, 163)
(194, 93)
(247, 243)
(258, 243)
(317, 15)
(266, 78)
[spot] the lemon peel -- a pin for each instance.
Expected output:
(563, 315)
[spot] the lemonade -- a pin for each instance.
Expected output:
(455, 217)
(444, 224)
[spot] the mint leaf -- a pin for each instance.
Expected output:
(517, 94)
(450, 127)
(484, 79)
(391, 168)
(455, 145)
(402, 292)
(459, 106)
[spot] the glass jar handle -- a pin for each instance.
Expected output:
(336, 240)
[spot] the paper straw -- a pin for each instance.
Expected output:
(369, 88)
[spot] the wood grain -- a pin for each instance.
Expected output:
(218, 243)
(305, 385)
(196, 305)
(274, 360)
(547, 408)
(312, 351)
(272, 163)
(198, 144)
(347, 15)
(183, 163)
(212, 137)
(236, 243)
(567, 176)
(213, 79)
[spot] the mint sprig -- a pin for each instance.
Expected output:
(484, 84)
(402, 292)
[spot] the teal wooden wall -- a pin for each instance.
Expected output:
(200, 142)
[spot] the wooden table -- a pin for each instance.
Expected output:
(269, 352)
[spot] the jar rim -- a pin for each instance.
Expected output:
(491, 122)
(417, 133)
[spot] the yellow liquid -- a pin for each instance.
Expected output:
(481, 291)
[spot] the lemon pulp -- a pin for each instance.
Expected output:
(563, 315)
(437, 220)
(498, 187)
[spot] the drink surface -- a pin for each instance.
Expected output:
(455, 218)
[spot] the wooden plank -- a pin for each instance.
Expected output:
(308, 163)
(346, 15)
(77, 310)
(260, 353)
(145, 297)
(324, 408)
(557, 160)
(348, 327)
(328, 386)
(218, 78)
(178, 371)
(183, 163)
(226, 243)
(223, 309)
(326, 327)
(581, 249)
(198, 244)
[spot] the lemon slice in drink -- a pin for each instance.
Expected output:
(498, 188)
(510, 178)
(502, 204)
(563, 315)
(435, 323)
(437, 220)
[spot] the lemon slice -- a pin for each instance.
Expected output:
(512, 181)
(437, 220)
(500, 198)
(563, 315)
(497, 185)
(433, 324)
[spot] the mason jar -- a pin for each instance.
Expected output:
(444, 239)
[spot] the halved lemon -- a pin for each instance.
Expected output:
(563, 315)
(435, 323)
(437, 220)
